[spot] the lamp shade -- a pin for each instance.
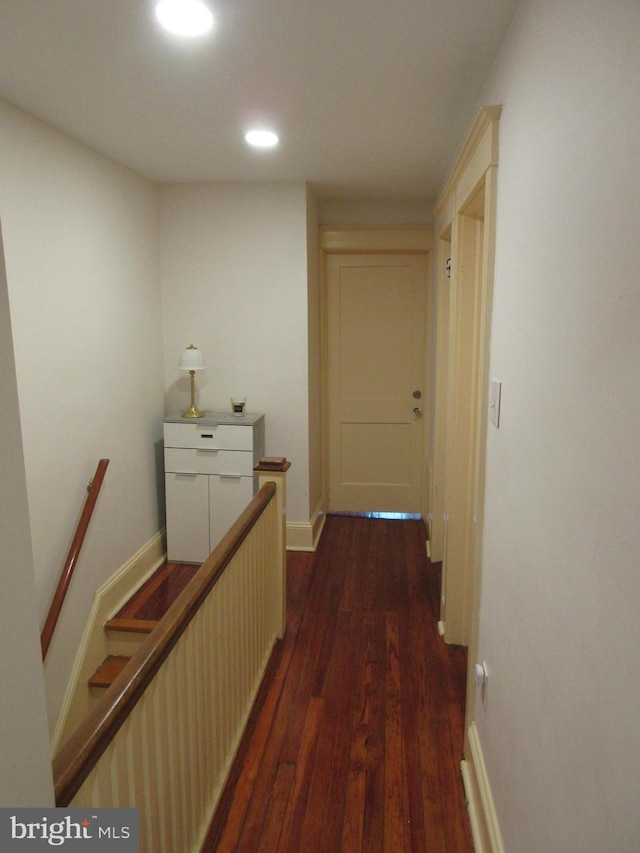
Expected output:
(191, 359)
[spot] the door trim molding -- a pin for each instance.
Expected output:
(479, 152)
(374, 239)
(469, 193)
(485, 829)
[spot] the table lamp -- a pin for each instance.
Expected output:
(191, 359)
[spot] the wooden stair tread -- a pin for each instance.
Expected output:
(108, 670)
(137, 626)
(154, 598)
(142, 612)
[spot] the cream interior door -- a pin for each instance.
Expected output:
(376, 323)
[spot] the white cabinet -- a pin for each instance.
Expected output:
(209, 479)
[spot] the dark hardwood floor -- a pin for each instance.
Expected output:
(355, 740)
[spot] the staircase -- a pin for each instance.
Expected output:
(139, 616)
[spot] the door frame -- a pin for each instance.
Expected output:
(369, 240)
(469, 196)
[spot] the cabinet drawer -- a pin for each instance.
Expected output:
(218, 436)
(237, 463)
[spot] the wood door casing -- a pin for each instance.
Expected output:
(376, 322)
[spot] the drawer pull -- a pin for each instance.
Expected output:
(207, 449)
(230, 476)
(206, 435)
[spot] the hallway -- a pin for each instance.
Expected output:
(356, 737)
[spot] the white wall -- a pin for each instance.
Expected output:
(80, 237)
(25, 779)
(559, 624)
(234, 283)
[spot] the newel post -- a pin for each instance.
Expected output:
(274, 470)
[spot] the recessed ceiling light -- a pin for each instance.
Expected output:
(262, 138)
(184, 17)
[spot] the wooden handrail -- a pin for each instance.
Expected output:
(72, 558)
(81, 753)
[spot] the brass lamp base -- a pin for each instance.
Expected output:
(192, 412)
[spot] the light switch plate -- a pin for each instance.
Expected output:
(495, 392)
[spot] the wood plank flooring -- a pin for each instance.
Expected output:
(355, 740)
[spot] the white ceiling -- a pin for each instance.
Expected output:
(370, 97)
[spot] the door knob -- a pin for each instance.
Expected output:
(417, 411)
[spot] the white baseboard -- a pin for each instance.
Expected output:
(304, 536)
(482, 812)
(111, 596)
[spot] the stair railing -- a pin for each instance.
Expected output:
(72, 558)
(163, 736)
